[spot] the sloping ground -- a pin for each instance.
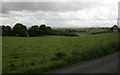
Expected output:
(36, 54)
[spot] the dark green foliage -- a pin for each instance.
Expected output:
(43, 29)
(98, 32)
(115, 28)
(32, 63)
(60, 55)
(70, 30)
(12, 65)
(63, 33)
(119, 30)
(49, 30)
(6, 30)
(33, 31)
(0, 30)
(75, 55)
(19, 30)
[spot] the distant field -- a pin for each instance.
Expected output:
(35, 54)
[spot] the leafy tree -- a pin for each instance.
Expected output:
(19, 30)
(0, 30)
(114, 28)
(6, 30)
(33, 31)
(49, 30)
(43, 29)
(3, 30)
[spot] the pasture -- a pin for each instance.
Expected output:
(37, 54)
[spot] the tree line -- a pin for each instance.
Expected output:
(21, 30)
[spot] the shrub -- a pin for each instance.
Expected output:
(58, 56)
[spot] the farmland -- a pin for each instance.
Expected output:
(38, 54)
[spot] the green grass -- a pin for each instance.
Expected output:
(0, 54)
(34, 54)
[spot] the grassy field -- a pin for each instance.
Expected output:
(0, 54)
(37, 54)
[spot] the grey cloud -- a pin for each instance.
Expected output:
(47, 6)
(50, 13)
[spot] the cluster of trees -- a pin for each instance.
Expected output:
(39, 30)
(115, 28)
(6, 30)
(64, 33)
(21, 30)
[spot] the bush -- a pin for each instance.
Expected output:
(63, 33)
(58, 56)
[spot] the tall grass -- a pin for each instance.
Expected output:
(96, 50)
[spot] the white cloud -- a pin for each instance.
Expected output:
(99, 15)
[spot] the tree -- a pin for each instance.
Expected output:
(3, 30)
(0, 30)
(43, 29)
(48, 30)
(19, 30)
(6, 30)
(33, 31)
(114, 28)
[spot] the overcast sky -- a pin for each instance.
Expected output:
(60, 14)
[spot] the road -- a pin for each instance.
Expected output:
(107, 64)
